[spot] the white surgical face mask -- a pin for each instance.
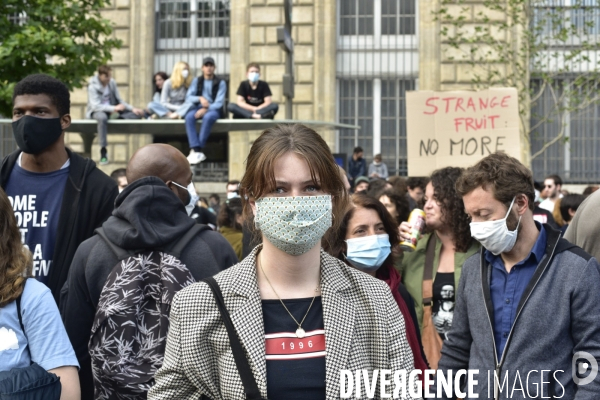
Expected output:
(253, 77)
(494, 235)
(368, 253)
(185, 73)
(193, 197)
(232, 195)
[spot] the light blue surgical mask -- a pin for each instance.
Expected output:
(253, 77)
(193, 196)
(368, 253)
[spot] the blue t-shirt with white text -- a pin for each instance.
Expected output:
(36, 199)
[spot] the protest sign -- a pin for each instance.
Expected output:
(459, 128)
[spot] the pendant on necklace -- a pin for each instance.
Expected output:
(300, 333)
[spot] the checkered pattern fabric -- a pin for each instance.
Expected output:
(364, 329)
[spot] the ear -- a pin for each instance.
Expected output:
(65, 122)
(521, 203)
(571, 213)
(252, 203)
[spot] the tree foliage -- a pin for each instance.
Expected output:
(65, 39)
(544, 48)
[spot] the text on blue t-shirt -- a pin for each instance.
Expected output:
(36, 199)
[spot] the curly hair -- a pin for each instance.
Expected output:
(47, 85)
(15, 259)
(335, 242)
(453, 209)
(401, 203)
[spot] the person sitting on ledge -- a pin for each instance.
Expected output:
(253, 97)
(206, 94)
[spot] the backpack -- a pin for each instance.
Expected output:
(129, 333)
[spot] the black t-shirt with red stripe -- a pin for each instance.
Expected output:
(295, 367)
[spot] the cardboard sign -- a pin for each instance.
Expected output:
(457, 129)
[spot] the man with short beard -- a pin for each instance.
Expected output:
(528, 301)
(552, 187)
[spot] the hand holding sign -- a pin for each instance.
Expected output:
(459, 128)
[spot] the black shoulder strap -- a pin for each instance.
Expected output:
(119, 252)
(18, 301)
(250, 386)
(185, 239)
(565, 245)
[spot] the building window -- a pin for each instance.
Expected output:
(393, 124)
(377, 17)
(213, 18)
(576, 157)
(357, 99)
(356, 17)
(192, 24)
(356, 108)
(397, 17)
(174, 20)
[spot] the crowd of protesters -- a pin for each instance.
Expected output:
(134, 287)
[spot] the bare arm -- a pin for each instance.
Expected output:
(268, 101)
(242, 103)
(69, 380)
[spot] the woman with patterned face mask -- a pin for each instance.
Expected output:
(365, 241)
(299, 314)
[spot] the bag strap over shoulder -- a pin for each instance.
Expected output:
(186, 238)
(250, 386)
(119, 252)
(18, 302)
(428, 271)
(176, 249)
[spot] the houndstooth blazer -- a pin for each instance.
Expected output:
(364, 329)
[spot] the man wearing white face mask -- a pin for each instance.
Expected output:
(151, 213)
(526, 302)
(253, 97)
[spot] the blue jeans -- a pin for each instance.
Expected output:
(208, 121)
(157, 108)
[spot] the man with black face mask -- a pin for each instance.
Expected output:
(58, 197)
(151, 213)
(526, 307)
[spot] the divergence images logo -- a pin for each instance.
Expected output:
(579, 368)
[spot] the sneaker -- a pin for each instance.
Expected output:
(104, 160)
(196, 157)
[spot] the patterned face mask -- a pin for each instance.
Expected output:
(294, 224)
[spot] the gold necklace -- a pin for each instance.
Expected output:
(300, 333)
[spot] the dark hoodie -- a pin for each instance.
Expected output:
(147, 216)
(88, 199)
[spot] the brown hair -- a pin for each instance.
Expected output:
(259, 178)
(228, 213)
(401, 203)
(451, 204)
(399, 183)
(335, 243)
(505, 176)
(252, 64)
(15, 260)
(104, 70)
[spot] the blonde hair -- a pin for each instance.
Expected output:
(177, 79)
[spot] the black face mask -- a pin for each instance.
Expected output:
(34, 135)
